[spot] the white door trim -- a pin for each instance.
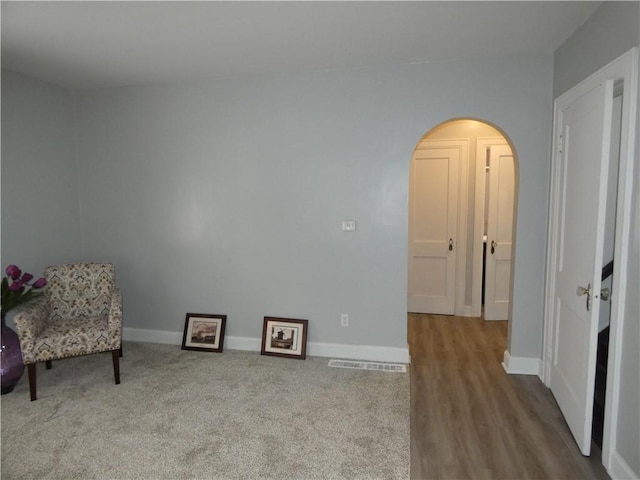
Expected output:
(624, 68)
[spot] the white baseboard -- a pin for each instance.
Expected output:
(619, 469)
(522, 365)
(316, 349)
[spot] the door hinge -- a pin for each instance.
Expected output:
(560, 143)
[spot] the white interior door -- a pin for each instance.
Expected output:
(584, 127)
(433, 207)
(499, 233)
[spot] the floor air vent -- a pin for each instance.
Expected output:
(377, 366)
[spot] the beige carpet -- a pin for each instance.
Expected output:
(184, 414)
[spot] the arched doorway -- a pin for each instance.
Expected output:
(462, 208)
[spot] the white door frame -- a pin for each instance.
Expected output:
(625, 69)
(475, 244)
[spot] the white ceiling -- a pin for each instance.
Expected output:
(105, 44)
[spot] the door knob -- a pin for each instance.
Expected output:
(493, 246)
(605, 293)
(451, 244)
(585, 291)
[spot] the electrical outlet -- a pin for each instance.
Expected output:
(344, 319)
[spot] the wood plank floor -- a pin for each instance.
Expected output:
(470, 420)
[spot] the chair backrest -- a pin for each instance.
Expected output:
(79, 289)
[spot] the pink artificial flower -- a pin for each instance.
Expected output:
(13, 272)
(15, 286)
(41, 282)
(26, 277)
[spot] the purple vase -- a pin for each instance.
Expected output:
(11, 366)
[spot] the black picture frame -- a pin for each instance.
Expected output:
(204, 332)
(285, 337)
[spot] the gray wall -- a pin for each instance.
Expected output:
(611, 31)
(227, 196)
(607, 34)
(40, 207)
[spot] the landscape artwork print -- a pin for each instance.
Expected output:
(204, 332)
(284, 337)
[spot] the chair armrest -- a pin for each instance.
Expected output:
(115, 319)
(30, 322)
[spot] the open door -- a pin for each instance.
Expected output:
(499, 233)
(584, 131)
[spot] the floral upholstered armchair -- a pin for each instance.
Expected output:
(80, 313)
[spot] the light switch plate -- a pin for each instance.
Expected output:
(348, 225)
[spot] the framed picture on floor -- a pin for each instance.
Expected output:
(284, 337)
(204, 332)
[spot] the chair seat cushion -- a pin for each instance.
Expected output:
(73, 336)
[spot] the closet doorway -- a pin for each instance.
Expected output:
(462, 197)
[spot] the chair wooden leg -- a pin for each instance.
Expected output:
(31, 370)
(115, 354)
(48, 364)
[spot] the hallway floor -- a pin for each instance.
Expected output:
(470, 420)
